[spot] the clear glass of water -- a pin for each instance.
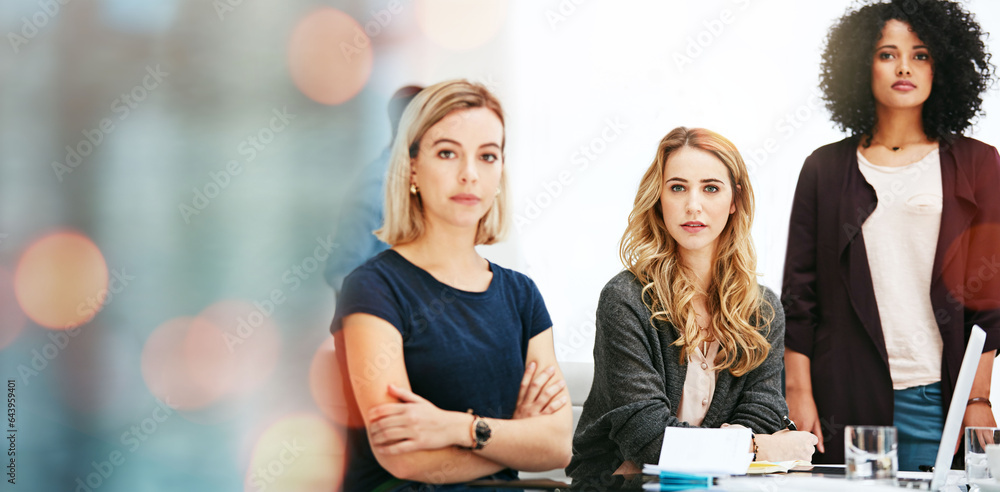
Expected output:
(870, 453)
(977, 468)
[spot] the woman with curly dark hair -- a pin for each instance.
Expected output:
(895, 233)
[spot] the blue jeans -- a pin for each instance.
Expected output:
(919, 421)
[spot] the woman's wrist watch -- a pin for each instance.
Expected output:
(481, 432)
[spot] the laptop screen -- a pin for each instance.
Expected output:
(956, 410)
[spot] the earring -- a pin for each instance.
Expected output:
(413, 189)
(498, 192)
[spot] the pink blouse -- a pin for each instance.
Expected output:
(699, 385)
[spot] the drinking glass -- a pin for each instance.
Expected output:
(870, 453)
(977, 467)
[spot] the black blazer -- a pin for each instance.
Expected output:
(827, 292)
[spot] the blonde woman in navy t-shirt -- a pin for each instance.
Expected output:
(450, 357)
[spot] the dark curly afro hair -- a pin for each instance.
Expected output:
(962, 68)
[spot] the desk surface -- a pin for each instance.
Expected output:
(794, 481)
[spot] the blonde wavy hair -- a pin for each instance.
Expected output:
(404, 213)
(738, 310)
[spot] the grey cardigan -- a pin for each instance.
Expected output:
(638, 383)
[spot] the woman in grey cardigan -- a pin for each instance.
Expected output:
(685, 336)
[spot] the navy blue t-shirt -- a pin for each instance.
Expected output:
(462, 350)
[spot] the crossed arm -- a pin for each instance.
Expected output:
(414, 440)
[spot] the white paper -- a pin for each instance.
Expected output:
(706, 451)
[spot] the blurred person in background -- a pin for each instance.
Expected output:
(361, 213)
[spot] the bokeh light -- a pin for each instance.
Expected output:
(236, 347)
(229, 349)
(299, 453)
(330, 390)
(208, 357)
(61, 280)
(978, 286)
(12, 320)
(460, 25)
(329, 56)
(165, 368)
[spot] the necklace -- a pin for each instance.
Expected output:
(895, 148)
(706, 342)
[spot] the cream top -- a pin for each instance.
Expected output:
(901, 240)
(699, 385)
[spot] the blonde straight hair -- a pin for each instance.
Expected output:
(404, 213)
(738, 310)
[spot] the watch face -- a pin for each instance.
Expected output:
(483, 431)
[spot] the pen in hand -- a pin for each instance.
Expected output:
(787, 423)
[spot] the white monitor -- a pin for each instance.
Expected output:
(956, 410)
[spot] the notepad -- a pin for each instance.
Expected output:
(705, 451)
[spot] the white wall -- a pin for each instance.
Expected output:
(566, 72)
